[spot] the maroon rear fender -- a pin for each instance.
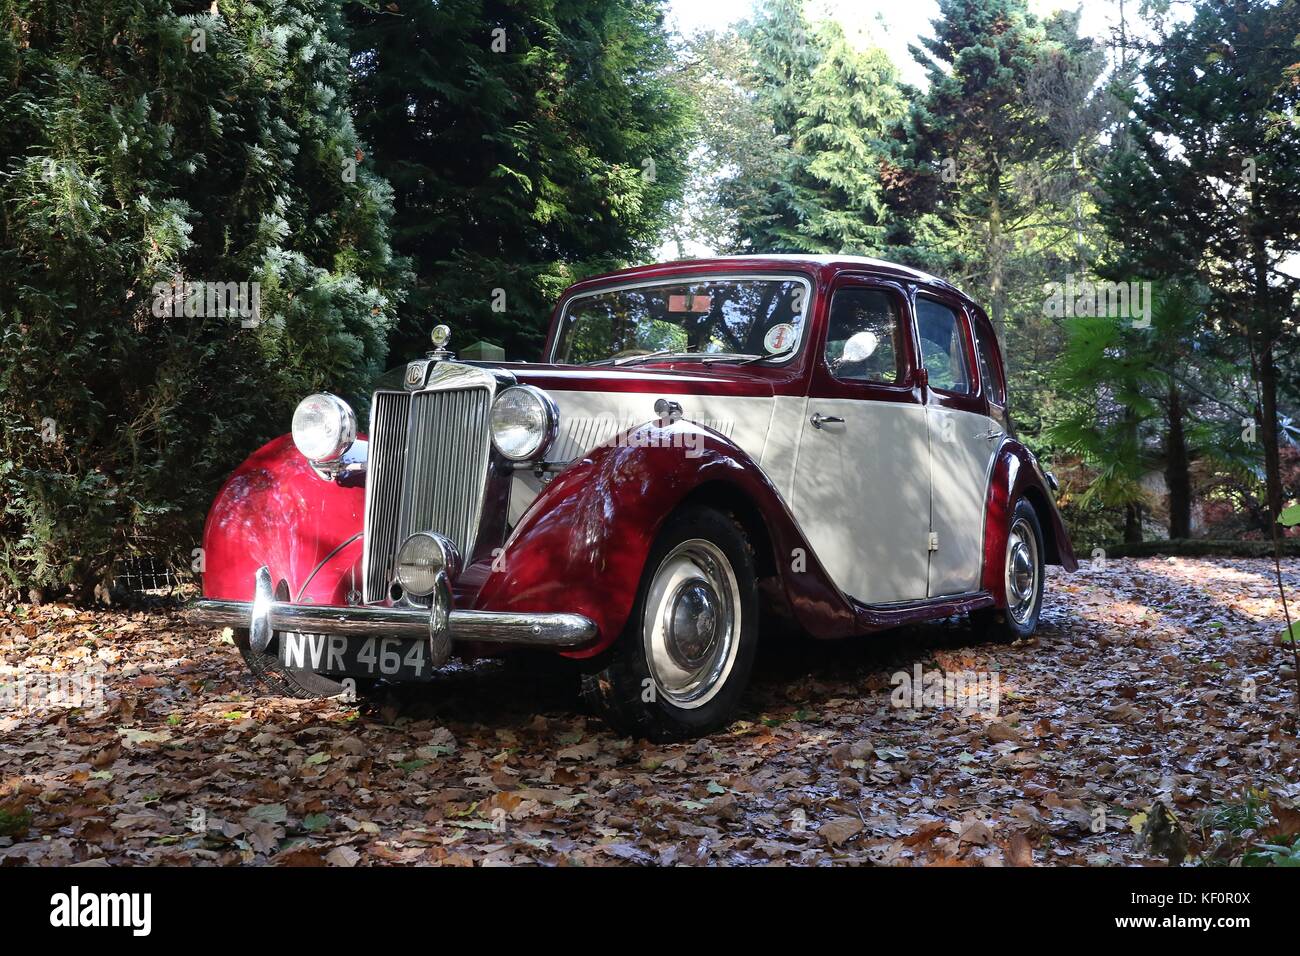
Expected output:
(275, 511)
(583, 544)
(1016, 475)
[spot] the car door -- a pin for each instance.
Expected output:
(963, 439)
(861, 488)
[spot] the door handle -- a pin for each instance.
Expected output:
(818, 420)
(991, 434)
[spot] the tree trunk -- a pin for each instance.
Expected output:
(1178, 477)
(1267, 375)
(1268, 428)
(1132, 523)
(997, 292)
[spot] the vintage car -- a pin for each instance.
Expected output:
(704, 443)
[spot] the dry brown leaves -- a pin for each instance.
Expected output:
(1150, 680)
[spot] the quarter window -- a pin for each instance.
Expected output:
(943, 348)
(993, 387)
(864, 341)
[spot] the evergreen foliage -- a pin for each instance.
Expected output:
(529, 144)
(141, 148)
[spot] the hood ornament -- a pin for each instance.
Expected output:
(440, 336)
(417, 372)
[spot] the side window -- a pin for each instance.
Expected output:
(864, 342)
(943, 349)
(994, 387)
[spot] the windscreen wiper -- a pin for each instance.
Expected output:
(762, 358)
(629, 359)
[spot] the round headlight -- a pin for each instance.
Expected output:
(324, 427)
(421, 558)
(524, 421)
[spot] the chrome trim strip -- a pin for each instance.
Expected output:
(324, 561)
(389, 413)
(911, 604)
(260, 628)
(489, 627)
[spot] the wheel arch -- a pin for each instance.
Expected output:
(275, 511)
(1043, 508)
(730, 499)
(1016, 475)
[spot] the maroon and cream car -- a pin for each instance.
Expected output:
(702, 444)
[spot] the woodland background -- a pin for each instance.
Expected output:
(379, 168)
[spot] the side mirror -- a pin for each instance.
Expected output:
(860, 347)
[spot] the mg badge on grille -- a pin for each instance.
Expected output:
(415, 373)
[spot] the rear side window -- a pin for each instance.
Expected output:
(990, 373)
(943, 347)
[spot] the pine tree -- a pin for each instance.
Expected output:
(853, 101)
(828, 109)
(140, 149)
(990, 188)
(527, 143)
(781, 51)
(1137, 401)
(1208, 181)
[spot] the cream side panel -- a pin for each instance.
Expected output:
(862, 497)
(961, 463)
(781, 451)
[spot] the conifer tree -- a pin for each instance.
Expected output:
(142, 150)
(1208, 181)
(528, 144)
(829, 109)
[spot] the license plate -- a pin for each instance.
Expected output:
(397, 658)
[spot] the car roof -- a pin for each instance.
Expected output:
(867, 263)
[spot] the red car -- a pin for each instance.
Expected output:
(702, 444)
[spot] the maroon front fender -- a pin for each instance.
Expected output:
(275, 511)
(582, 545)
(1016, 475)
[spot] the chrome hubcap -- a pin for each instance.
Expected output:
(1022, 571)
(692, 622)
(692, 626)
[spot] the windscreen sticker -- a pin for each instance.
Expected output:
(690, 303)
(778, 338)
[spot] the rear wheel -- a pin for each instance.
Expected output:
(1022, 579)
(680, 666)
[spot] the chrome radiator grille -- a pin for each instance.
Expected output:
(427, 470)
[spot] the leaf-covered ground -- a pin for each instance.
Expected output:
(1151, 682)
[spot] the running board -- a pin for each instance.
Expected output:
(880, 617)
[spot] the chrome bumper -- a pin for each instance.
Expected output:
(263, 616)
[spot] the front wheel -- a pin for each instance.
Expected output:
(1022, 579)
(682, 662)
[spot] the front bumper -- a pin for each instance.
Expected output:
(264, 616)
